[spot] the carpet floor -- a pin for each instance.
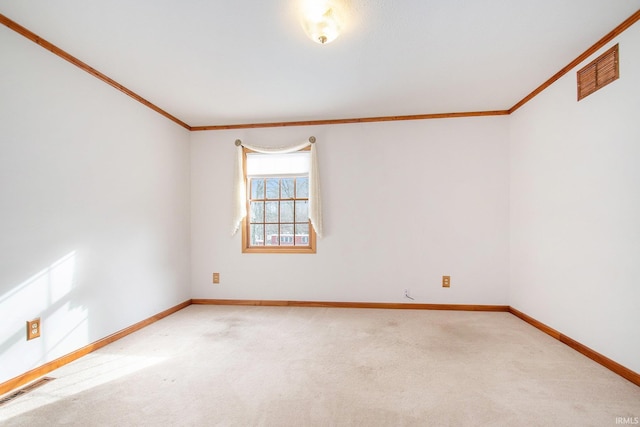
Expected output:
(294, 366)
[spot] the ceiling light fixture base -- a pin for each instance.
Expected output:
(322, 20)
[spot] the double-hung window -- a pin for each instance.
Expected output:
(277, 218)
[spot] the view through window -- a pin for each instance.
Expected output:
(278, 203)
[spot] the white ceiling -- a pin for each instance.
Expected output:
(214, 62)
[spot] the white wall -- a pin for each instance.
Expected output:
(94, 207)
(404, 204)
(575, 209)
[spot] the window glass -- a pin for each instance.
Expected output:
(287, 186)
(286, 211)
(257, 188)
(302, 210)
(302, 188)
(257, 212)
(273, 188)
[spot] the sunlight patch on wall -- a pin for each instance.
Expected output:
(48, 295)
(61, 277)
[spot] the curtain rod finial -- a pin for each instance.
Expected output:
(312, 139)
(238, 143)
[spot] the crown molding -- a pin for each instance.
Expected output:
(587, 53)
(354, 120)
(85, 67)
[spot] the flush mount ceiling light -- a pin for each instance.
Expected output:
(321, 20)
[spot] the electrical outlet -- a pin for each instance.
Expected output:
(33, 329)
(446, 281)
(216, 278)
(407, 294)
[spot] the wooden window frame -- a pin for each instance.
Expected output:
(310, 248)
(588, 76)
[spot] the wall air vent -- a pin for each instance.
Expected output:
(599, 73)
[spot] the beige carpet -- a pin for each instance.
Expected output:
(284, 366)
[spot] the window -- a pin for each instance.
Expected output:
(599, 73)
(277, 218)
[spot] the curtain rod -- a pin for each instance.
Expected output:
(312, 139)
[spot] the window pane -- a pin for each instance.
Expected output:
(302, 234)
(272, 235)
(287, 188)
(302, 188)
(273, 188)
(257, 212)
(271, 210)
(257, 235)
(302, 211)
(257, 188)
(286, 211)
(286, 238)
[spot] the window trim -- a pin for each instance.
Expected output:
(246, 247)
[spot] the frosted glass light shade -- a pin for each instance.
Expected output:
(321, 20)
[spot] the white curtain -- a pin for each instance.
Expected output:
(240, 190)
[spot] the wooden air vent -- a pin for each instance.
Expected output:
(599, 73)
